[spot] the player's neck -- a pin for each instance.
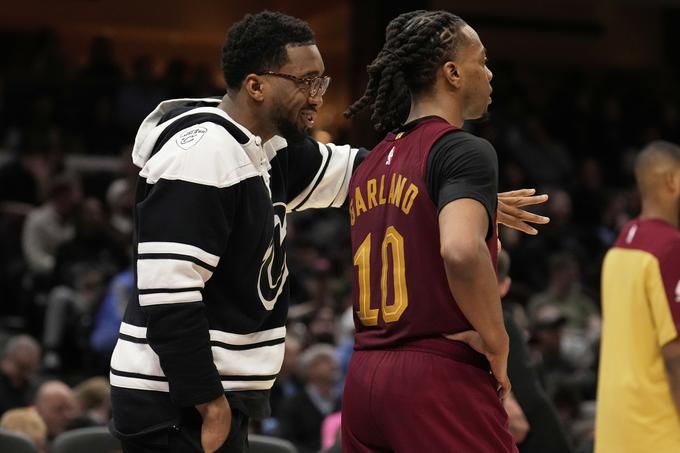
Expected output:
(657, 210)
(436, 106)
(237, 109)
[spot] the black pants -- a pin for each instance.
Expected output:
(186, 436)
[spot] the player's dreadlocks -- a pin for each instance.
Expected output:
(416, 45)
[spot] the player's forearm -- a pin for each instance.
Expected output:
(675, 392)
(673, 372)
(473, 284)
(671, 357)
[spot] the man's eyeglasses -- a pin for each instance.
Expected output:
(317, 86)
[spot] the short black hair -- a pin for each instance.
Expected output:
(258, 43)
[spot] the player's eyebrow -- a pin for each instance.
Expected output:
(311, 74)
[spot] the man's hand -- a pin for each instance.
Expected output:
(497, 359)
(510, 214)
(216, 416)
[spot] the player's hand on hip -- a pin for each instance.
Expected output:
(499, 368)
(216, 416)
(498, 360)
(510, 214)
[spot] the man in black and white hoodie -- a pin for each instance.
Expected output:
(216, 181)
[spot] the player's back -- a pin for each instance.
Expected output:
(401, 292)
(640, 284)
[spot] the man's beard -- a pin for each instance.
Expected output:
(288, 129)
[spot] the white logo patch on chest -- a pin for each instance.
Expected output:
(389, 157)
(631, 234)
(189, 138)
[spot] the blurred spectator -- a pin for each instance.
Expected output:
(50, 225)
(544, 158)
(25, 420)
(322, 327)
(533, 420)
(589, 194)
(120, 197)
(330, 430)
(94, 245)
(57, 406)
(25, 177)
(288, 383)
(302, 414)
(18, 370)
(109, 316)
(557, 365)
(119, 200)
(518, 425)
(548, 327)
(68, 317)
(346, 333)
(565, 292)
(94, 397)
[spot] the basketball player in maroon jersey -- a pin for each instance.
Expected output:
(423, 225)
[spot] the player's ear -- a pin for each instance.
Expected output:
(253, 85)
(452, 73)
(673, 181)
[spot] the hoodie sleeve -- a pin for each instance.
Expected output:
(320, 173)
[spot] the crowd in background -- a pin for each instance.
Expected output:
(65, 271)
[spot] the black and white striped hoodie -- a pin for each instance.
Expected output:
(210, 308)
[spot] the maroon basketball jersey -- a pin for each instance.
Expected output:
(400, 290)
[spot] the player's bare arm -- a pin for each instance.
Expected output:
(671, 358)
(463, 225)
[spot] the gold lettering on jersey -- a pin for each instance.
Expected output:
(409, 197)
(359, 202)
(351, 211)
(390, 197)
(381, 197)
(395, 195)
(373, 195)
(371, 189)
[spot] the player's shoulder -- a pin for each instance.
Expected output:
(210, 152)
(668, 250)
(653, 236)
(461, 139)
(459, 143)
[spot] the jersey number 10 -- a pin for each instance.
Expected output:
(362, 259)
